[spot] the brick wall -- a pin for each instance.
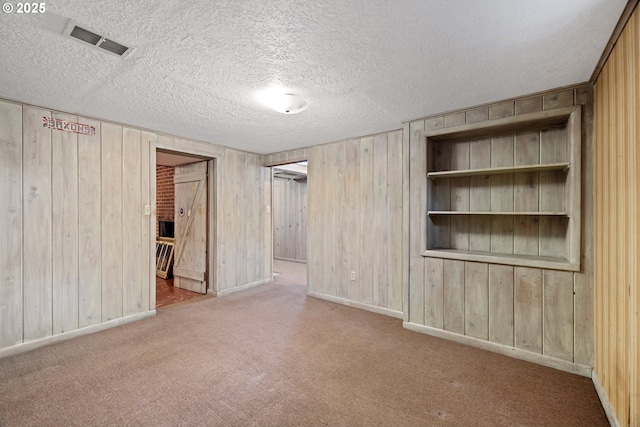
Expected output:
(164, 194)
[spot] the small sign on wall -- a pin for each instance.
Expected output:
(74, 127)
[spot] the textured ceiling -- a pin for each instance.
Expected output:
(364, 66)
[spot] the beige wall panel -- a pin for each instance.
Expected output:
(37, 227)
(477, 300)
(617, 182)
(11, 224)
(380, 235)
(368, 218)
(528, 309)
(479, 197)
(89, 227)
(132, 213)
(502, 195)
(290, 218)
(395, 221)
(352, 215)
(65, 228)
(111, 221)
(558, 314)
(417, 232)
(146, 232)
(501, 301)
(454, 285)
(434, 293)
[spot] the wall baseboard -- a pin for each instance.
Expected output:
(301, 261)
(356, 304)
(517, 353)
(239, 288)
(41, 342)
(602, 394)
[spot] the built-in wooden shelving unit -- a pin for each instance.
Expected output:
(507, 191)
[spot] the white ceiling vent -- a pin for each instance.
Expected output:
(99, 41)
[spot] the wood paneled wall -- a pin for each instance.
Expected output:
(355, 220)
(77, 249)
(617, 216)
(543, 312)
(290, 219)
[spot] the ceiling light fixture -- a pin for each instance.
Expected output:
(282, 101)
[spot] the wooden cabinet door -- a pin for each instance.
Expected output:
(190, 261)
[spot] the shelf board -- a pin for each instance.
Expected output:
(553, 263)
(498, 171)
(528, 213)
(488, 128)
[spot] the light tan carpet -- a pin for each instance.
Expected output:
(272, 356)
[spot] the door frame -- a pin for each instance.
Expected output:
(168, 144)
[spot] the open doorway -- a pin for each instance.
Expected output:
(289, 202)
(182, 222)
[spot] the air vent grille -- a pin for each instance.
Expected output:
(97, 40)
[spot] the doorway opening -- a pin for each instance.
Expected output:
(289, 213)
(182, 227)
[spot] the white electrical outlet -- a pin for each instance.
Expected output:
(147, 210)
(352, 275)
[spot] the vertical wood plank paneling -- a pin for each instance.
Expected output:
(369, 288)
(241, 202)
(111, 221)
(417, 205)
(617, 129)
(459, 196)
(290, 218)
(525, 234)
(231, 236)
(352, 199)
(434, 293)
(341, 255)
(153, 141)
(145, 223)
(528, 312)
(132, 212)
(65, 228)
(381, 230)
(502, 196)
(406, 223)
(395, 222)
(584, 287)
(480, 197)
(477, 300)
(501, 307)
(355, 220)
(89, 226)
(454, 307)
(37, 227)
(553, 148)
(558, 314)
(11, 314)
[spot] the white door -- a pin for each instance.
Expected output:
(190, 261)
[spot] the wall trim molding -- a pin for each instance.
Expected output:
(41, 342)
(517, 353)
(356, 304)
(240, 288)
(604, 400)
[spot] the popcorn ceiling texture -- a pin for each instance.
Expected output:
(364, 66)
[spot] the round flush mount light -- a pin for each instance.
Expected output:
(283, 102)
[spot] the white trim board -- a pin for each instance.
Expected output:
(41, 342)
(356, 304)
(239, 288)
(517, 353)
(604, 400)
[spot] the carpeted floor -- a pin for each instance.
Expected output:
(272, 356)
